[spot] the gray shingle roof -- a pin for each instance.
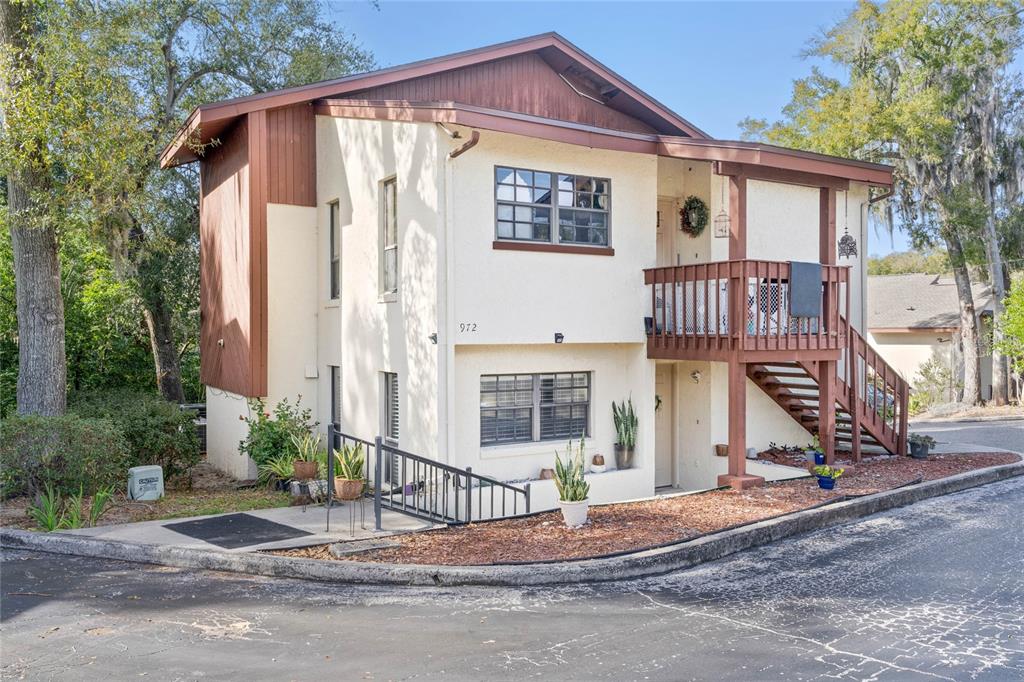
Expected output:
(918, 301)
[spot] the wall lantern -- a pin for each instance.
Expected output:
(722, 225)
(559, 337)
(847, 244)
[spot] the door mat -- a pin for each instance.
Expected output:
(236, 530)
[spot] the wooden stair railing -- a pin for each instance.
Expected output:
(871, 408)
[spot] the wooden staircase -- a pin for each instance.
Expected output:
(870, 397)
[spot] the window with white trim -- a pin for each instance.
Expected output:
(390, 408)
(335, 264)
(521, 408)
(389, 237)
(528, 203)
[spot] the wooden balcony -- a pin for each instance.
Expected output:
(739, 310)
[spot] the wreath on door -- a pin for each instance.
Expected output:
(693, 216)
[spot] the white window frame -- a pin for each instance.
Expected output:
(536, 409)
(388, 293)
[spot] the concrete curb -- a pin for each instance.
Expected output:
(636, 565)
(968, 420)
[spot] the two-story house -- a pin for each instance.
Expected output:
(475, 255)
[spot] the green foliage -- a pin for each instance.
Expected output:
(921, 439)
(934, 383)
(827, 471)
(569, 479)
(1012, 325)
(47, 510)
(52, 512)
(815, 444)
(67, 454)
(695, 208)
(931, 262)
(350, 460)
(278, 468)
(271, 434)
(156, 431)
(307, 447)
(626, 423)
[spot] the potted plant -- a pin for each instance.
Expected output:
(814, 452)
(597, 464)
(827, 476)
(277, 470)
(920, 444)
(722, 449)
(348, 484)
(573, 490)
(625, 431)
(304, 463)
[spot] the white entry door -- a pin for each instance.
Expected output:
(664, 420)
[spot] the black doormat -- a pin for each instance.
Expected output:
(236, 530)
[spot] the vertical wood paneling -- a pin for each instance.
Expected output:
(259, 192)
(524, 84)
(291, 145)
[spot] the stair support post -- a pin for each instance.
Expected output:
(827, 409)
(852, 372)
(737, 477)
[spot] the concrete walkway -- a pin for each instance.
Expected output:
(311, 519)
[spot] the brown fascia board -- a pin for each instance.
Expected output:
(209, 113)
(749, 153)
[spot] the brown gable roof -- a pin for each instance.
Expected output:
(574, 68)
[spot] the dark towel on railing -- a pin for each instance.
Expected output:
(804, 289)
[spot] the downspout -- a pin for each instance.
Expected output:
(446, 352)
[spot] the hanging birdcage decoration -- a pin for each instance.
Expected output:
(847, 244)
(722, 224)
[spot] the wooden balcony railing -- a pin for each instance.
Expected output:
(707, 310)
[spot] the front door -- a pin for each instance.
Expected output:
(666, 232)
(664, 421)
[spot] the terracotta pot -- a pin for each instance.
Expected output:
(574, 513)
(722, 450)
(623, 456)
(598, 460)
(303, 471)
(547, 474)
(348, 489)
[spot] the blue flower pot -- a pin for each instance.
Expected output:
(819, 458)
(826, 482)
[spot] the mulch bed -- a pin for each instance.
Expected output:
(636, 525)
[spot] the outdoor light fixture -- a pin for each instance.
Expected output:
(722, 225)
(433, 338)
(559, 337)
(696, 376)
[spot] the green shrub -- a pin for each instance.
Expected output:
(156, 431)
(68, 454)
(272, 435)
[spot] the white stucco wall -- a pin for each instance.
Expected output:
(907, 351)
(618, 371)
(364, 333)
(291, 336)
(525, 297)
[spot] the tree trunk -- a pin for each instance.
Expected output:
(996, 275)
(968, 319)
(161, 339)
(42, 365)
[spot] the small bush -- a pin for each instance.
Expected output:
(156, 431)
(273, 435)
(67, 454)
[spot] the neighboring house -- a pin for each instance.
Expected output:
(473, 256)
(914, 318)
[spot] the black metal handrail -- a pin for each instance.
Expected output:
(431, 490)
(427, 489)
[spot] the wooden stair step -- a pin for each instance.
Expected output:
(793, 375)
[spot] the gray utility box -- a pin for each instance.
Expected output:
(146, 483)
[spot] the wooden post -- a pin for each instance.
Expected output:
(827, 368)
(852, 375)
(737, 217)
(827, 408)
(737, 476)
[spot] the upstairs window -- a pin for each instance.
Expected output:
(554, 208)
(389, 237)
(335, 264)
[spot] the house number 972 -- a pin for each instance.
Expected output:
(467, 326)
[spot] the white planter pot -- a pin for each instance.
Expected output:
(574, 513)
(598, 468)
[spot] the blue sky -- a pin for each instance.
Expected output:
(712, 62)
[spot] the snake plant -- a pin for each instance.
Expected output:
(307, 447)
(569, 474)
(350, 460)
(626, 423)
